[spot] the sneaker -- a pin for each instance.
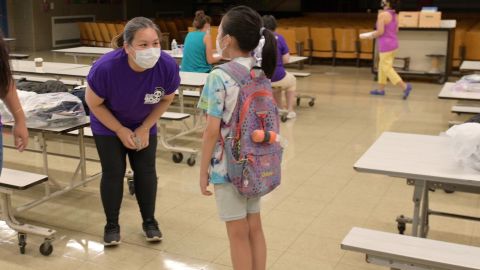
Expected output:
(291, 115)
(151, 231)
(282, 111)
(377, 92)
(111, 235)
(407, 91)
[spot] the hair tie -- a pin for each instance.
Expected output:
(261, 31)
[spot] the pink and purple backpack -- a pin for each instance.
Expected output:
(253, 168)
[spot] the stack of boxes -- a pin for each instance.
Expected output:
(427, 18)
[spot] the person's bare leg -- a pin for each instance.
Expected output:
(381, 87)
(257, 242)
(240, 251)
(290, 96)
(277, 95)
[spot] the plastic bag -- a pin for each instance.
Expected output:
(23, 96)
(469, 83)
(466, 144)
(53, 110)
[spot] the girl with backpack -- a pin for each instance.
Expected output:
(223, 98)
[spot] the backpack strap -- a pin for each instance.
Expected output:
(237, 71)
(241, 75)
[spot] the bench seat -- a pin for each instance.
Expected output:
(407, 252)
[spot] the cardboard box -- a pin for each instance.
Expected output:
(408, 19)
(430, 19)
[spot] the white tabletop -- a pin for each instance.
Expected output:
(9, 39)
(418, 157)
(193, 79)
(82, 122)
(470, 66)
(20, 179)
(47, 68)
(177, 55)
(295, 59)
(447, 92)
(85, 50)
(438, 254)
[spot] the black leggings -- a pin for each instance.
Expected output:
(112, 155)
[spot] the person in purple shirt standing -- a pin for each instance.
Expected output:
(128, 91)
(282, 79)
(387, 36)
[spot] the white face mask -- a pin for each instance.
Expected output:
(147, 58)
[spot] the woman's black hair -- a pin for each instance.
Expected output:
(201, 19)
(131, 28)
(5, 72)
(269, 22)
(244, 24)
(395, 4)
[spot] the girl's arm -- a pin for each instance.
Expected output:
(210, 138)
(207, 40)
(20, 132)
(382, 18)
(104, 115)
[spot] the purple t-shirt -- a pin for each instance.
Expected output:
(130, 95)
(282, 49)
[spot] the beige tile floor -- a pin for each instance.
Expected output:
(320, 199)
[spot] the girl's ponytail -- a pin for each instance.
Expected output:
(269, 53)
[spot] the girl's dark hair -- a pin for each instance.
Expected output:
(244, 24)
(5, 72)
(269, 22)
(201, 19)
(131, 28)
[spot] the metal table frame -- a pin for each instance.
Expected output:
(407, 156)
(79, 177)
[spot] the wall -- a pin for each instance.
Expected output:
(43, 19)
(149, 8)
(31, 24)
(20, 18)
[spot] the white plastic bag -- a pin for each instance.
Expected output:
(466, 144)
(23, 96)
(468, 83)
(53, 110)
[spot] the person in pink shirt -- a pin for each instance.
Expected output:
(387, 37)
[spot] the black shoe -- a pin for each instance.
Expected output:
(111, 235)
(151, 231)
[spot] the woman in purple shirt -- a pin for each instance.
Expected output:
(387, 35)
(128, 91)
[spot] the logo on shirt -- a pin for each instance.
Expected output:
(155, 97)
